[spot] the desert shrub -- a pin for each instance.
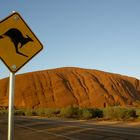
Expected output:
(118, 113)
(3, 112)
(108, 112)
(51, 112)
(19, 112)
(86, 114)
(97, 113)
(130, 113)
(39, 112)
(138, 112)
(69, 112)
(29, 112)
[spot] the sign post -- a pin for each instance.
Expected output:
(18, 45)
(11, 107)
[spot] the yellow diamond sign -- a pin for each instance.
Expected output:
(18, 44)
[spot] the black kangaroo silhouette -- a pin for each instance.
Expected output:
(17, 38)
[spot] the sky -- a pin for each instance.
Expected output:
(92, 34)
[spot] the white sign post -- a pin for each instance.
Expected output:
(11, 107)
(18, 45)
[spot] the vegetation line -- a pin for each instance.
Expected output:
(108, 113)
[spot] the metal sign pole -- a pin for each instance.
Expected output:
(15, 28)
(11, 107)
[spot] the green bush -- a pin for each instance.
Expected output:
(97, 113)
(24, 112)
(118, 113)
(52, 112)
(138, 112)
(39, 112)
(29, 112)
(3, 112)
(86, 114)
(47, 112)
(19, 112)
(69, 112)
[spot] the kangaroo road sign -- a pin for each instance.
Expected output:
(18, 44)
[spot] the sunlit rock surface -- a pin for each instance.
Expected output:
(61, 87)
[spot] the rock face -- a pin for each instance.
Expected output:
(71, 86)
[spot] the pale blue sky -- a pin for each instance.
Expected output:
(95, 34)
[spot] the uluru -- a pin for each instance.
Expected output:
(61, 87)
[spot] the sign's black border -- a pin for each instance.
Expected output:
(16, 13)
